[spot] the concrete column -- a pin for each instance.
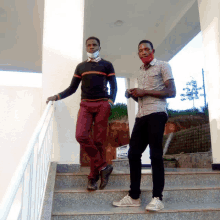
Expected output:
(210, 26)
(132, 111)
(62, 51)
(131, 104)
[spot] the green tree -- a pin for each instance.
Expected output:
(191, 92)
(205, 104)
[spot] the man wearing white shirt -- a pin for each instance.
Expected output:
(155, 84)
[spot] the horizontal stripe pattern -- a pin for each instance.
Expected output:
(111, 74)
(77, 76)
(94, 72)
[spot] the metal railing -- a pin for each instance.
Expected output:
(170, 136)
(32, 173)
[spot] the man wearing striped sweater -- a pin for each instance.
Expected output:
(95, 107)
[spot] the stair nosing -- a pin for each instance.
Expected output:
(126, 189)
(136, 212)
(166, 173)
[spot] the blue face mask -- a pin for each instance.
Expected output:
(93, 55)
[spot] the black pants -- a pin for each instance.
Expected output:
(148, 129)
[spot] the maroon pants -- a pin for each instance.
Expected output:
(97, 112)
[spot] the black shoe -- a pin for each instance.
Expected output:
(92, 184)
(105, 176)
(97, 178)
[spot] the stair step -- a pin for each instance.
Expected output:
(172, 179)
(180, 211)
(192, 194)
(83, 189)
(81, 199)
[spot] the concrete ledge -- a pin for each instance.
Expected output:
(121, 164)
(68, 168)
(192, 160)
(48, 199)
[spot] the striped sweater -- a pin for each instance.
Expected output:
(94, 77)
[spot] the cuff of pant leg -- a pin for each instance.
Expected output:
(102, 167)
(134, 196)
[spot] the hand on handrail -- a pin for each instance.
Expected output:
(52, 98)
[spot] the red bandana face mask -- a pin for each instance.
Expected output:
(148, 59)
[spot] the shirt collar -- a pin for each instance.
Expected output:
(152, 63)
(97, 59)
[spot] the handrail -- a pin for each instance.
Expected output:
(17, 177)
(167, 143)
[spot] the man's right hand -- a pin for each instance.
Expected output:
(127, 94)
(51, 98)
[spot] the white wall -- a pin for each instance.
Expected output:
(20, 112)
(210, 26)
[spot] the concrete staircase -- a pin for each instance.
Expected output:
(192, 194)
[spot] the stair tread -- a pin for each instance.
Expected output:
(78, 189)
(110, 209)
(148, 172)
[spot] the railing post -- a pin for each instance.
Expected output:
(46, 153)
(34, 181)
(38, 176)
(25, 204)
(31, 183)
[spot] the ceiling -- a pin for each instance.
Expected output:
(21, 32)
(169, 24)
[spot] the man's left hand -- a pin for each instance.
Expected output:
(137, 92)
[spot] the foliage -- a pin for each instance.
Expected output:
(118, 111)
(191, 91)
(189, 117)
(205, 110)
(173, 113)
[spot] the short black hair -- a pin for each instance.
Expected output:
(147, 42)
(93, 38)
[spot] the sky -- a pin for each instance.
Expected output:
(186, 64)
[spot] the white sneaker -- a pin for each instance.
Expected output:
(127, 201)
(155, 205)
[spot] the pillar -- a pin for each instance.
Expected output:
(210, 27)
(62, 51)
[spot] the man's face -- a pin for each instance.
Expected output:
(92, 46)
(144, 50)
